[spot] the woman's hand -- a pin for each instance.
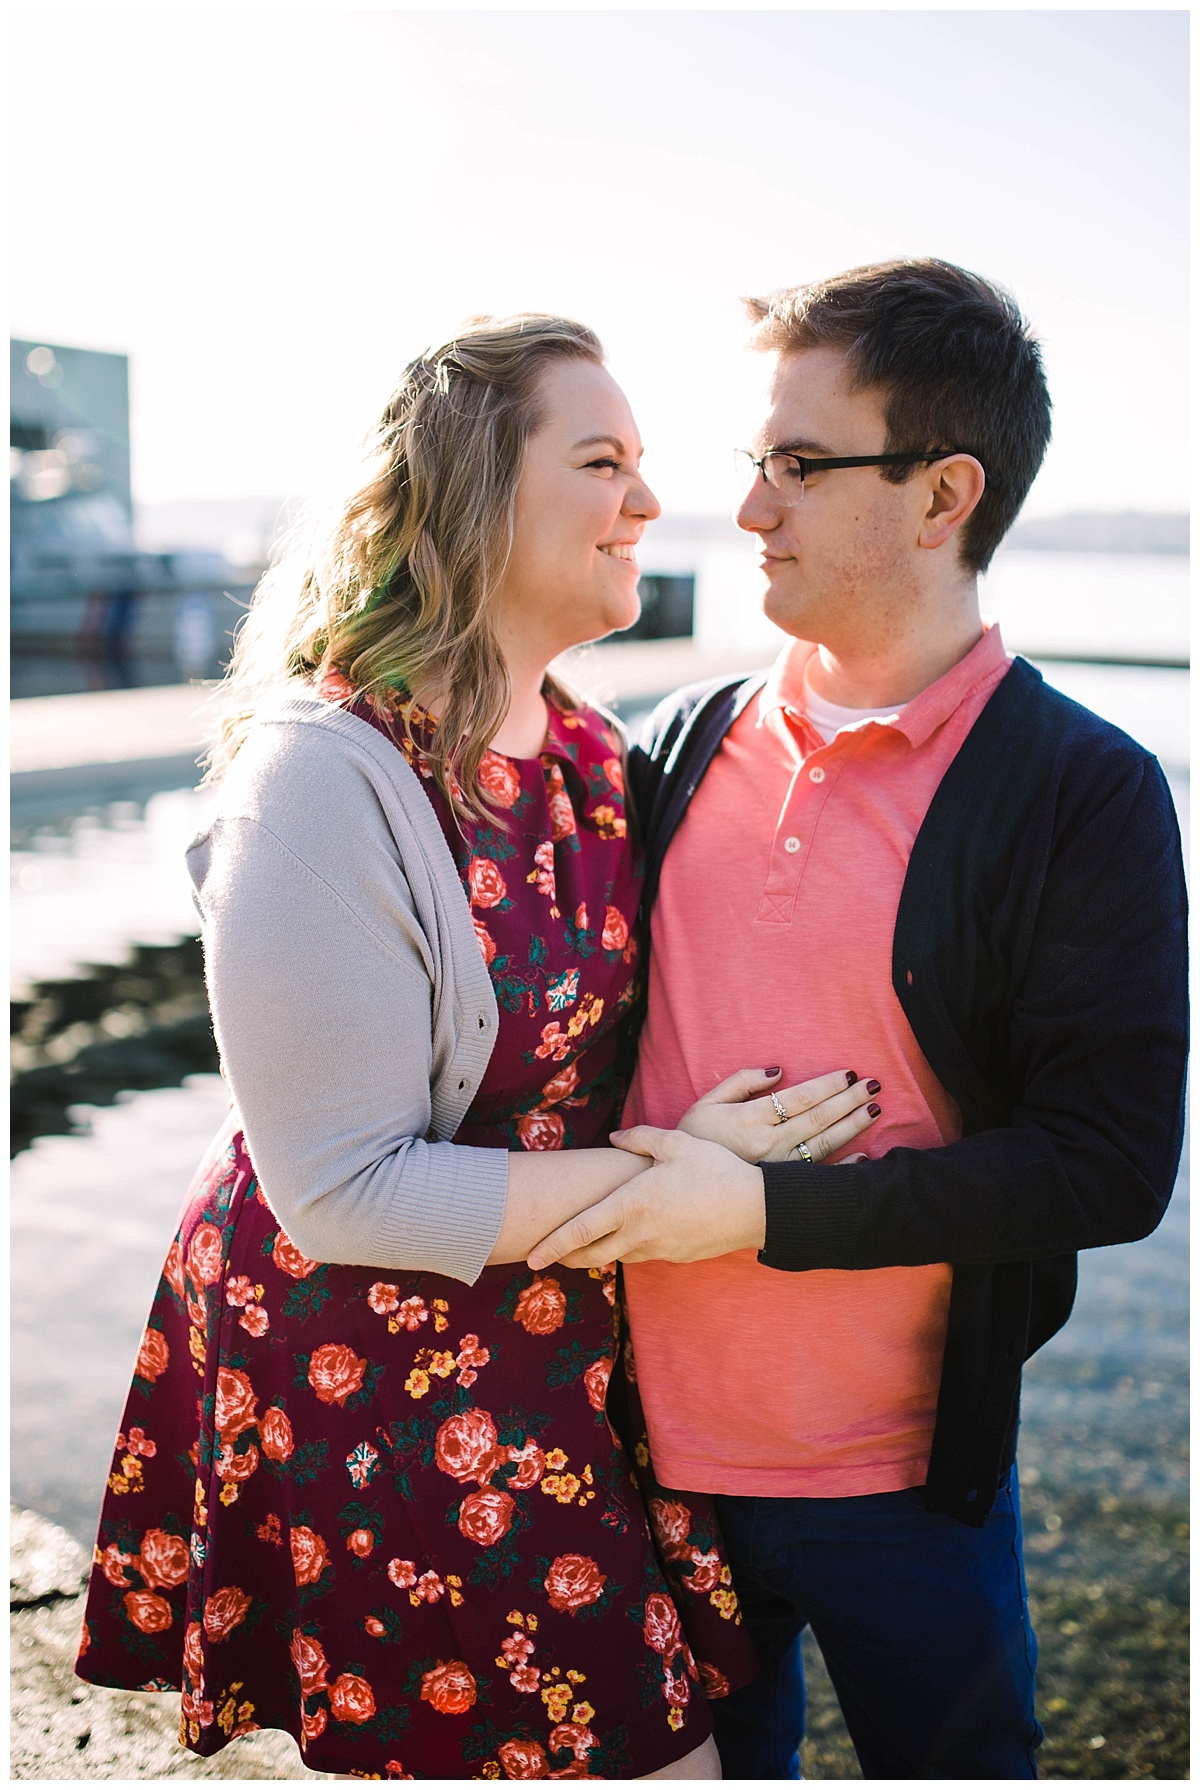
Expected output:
(825, 1114)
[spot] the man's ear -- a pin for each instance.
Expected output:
(956, 486)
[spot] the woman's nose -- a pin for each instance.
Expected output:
(641, 501)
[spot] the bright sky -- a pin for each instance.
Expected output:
(271, 211)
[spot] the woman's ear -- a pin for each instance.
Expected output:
(956, 486)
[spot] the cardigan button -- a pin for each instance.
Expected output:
(908, 977)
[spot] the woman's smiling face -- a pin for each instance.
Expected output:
(580, 510)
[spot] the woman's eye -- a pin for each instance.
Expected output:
(613, 465)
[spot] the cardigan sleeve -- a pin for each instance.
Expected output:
(322, 1012)
(1096, 1061)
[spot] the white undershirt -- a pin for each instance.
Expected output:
(829, 718)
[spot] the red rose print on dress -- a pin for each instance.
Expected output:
(413, 1312)
(288, 1260)
(562, 815)
(713, 1681)
(561, 1085)
(573, 1581)
(205, 1256)
(255, 1320)
(615, 936)
(148, 1611)
(235, 1466)
(224, 1611)
(308, 1657)
(164, 1559)
(112, 1563)
(676, 1690)
(335, 1373)
(402, 1573)
(615, 775)
(541, 1131)
(360, 1542)
(193, 1656)
(450, 1687)
(383, 1297)
(661, 1627)
(312, 1726)
(541, 1307)
(239, 1289)
(487, 887)
(572, 1737)
(235, 1403)
(351, 1699)
(465, 1444)
(499, 777)
(173, 1270)
(153, 1356)
(595, 1382)
(705, 1575)
(485, 941)
(485, 1516)
(523, 1759)
(529, 1464)
(310, 1556)
(672, 1523)
(275, 1434)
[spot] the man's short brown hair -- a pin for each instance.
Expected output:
(955, 362)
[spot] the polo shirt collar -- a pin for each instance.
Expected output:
(785, 688)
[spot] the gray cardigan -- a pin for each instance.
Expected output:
(353, 1011)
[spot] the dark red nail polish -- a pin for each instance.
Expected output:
(874, 1110)
(774, 1071)
(851, 1078)
(873, 1087)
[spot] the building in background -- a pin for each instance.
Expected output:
(88, 607)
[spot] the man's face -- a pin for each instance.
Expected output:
(840, 564)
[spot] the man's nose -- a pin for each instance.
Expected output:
(757, 512)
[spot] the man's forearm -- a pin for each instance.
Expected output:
(1010, 1194)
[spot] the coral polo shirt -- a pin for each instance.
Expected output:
(772, 943)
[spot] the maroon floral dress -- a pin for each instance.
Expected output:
(386, 1511)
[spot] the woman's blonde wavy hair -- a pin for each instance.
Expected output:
(392, 592)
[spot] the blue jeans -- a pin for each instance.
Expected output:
(922, 1622)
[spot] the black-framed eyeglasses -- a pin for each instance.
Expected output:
(786, 472)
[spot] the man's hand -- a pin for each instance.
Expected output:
(694, 1200)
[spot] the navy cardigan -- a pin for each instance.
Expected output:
(1040, 957)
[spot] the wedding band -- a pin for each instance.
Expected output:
(780, 1109)
(804, 1153)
